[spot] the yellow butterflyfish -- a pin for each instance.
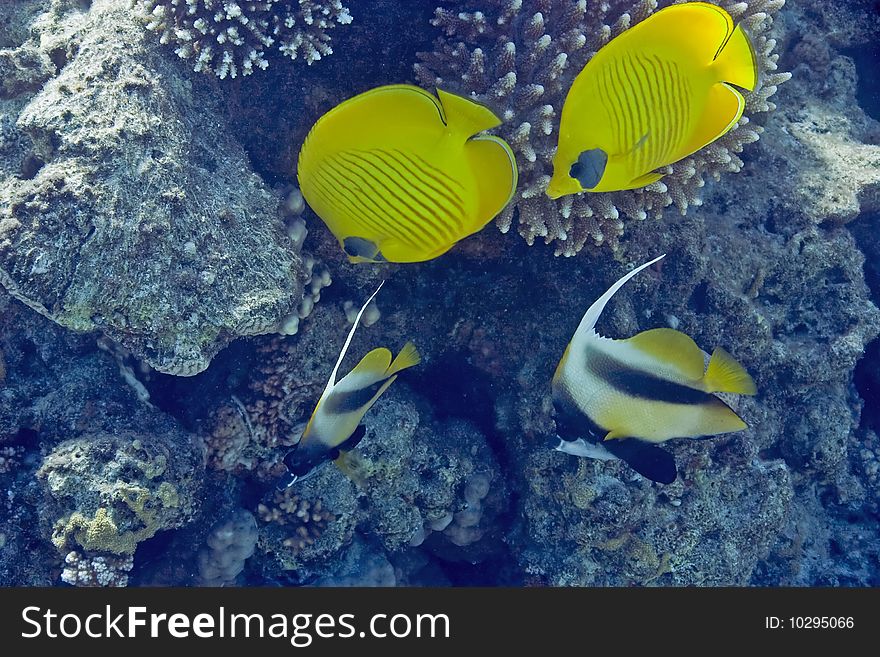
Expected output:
(335, 425)
(621, 398)
(656, 93)
(401, 175)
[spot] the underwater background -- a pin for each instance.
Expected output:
(170, 309)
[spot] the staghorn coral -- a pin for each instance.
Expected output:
(229, 37)
(520, 57)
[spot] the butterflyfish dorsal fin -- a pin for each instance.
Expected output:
(698, 29)
(724, 374)
(588, 322)
(466, 116)
(673, 348)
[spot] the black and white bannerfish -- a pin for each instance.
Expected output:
(621, 398)
(334, 428)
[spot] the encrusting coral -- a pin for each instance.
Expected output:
(230, 38)
(519, 57)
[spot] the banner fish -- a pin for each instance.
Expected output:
(653, 95)
(334, 427)
(627, 396)
(399, 175)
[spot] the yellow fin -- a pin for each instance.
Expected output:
(673, 348)
(736, 62)
(615, 435)
(375, 364)
(407, 357)
(724, 374)
(492, 160)
(724, 108)
(645, 180)
(466, 115)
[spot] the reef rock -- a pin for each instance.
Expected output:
(125, 203)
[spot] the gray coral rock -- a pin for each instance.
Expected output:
(125, 204)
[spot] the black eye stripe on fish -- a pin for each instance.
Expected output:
(589, 167)
(640, 384)
(348, 402)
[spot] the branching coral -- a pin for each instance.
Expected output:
(306, 520)
(230, 37)
(520, 57)
(101, 570)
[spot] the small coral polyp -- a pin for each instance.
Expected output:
(519, 57)
(230, 38)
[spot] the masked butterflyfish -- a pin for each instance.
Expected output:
(334, 428)
(622, 398)
(659, 91)
(400, 175)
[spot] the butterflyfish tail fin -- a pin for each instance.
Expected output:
(332, 381)
(492, 159)
(408, 357)
(588, 322)
(466, 115)
(724, 374)
(736, 62)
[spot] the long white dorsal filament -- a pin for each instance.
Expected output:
(332, 381)
(593, 312)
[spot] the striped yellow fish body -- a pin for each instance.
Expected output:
(334, 426)
(658, 92)
(649, 388)
(399, 175)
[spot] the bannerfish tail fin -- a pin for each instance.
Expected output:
(465, 115)
(408, 357)
(724, 374)
(588, 322)
(648, 460)
(736, 62)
